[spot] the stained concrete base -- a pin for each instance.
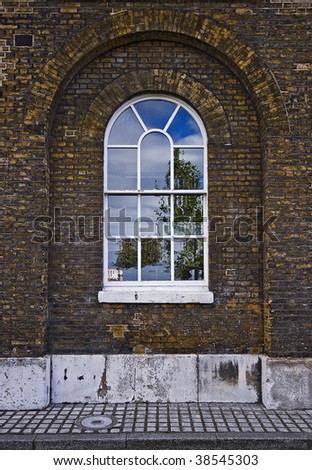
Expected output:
(229, 378)
(26, 383)
(287, 383)
(156, 378)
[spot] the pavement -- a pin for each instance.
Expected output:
(156, 426)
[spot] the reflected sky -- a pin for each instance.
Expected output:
(155, 113)
(184, 129)
(155, 213)
(122, 169)
(126, 129)
(120, 217)
(156, 151)
(155, 160)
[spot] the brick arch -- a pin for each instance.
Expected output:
(157, 80)
(187, 27)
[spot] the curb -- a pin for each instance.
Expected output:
(182, 441)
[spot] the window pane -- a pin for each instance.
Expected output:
(188, 168)
(188, 215)
(122, 260)
(160, 182)
(126, 129)
(121, 216)
(184, 129)
(189, 260)
(155, 113)
(155, 162)
(155, 216)
(122, 169)
(155, 255)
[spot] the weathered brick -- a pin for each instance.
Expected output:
(246, 68)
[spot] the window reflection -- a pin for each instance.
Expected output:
(188, 168)
(148, 242)
(155, 216)
(189, 260)
(122, 260)
(122, 169)
(155, 113)
(155, 161)
(121, 216)
(188, 215)
(184, 129)
(155, 260)
(126, 129)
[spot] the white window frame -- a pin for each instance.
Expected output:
(157, 291)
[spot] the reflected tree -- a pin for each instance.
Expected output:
(188, 219)
(186, 175)
(189, 262)
(151, 253)
(127, 255)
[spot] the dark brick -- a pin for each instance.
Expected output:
(246, 68)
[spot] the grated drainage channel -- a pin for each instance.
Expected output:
(96, 422)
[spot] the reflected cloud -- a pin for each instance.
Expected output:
(155, 212)
(121, 216)
(183, 128)
(155, 161)
(126, 129)
(122, 169)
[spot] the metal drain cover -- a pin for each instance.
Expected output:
(96, 422)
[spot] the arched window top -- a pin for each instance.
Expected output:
(145, 140)
(165, 114)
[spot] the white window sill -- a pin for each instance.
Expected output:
(156, 296)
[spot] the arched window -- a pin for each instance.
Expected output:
(155, 204)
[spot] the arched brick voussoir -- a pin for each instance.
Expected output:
(188, 28)
(157, 80)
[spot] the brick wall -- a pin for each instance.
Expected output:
(234, 324)
(252, 313)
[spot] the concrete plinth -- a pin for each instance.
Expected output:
(152, 378)
(229, 378)
(124, 378)
(24, 383)
(155, 378)
(76, 379)
(287, 383)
